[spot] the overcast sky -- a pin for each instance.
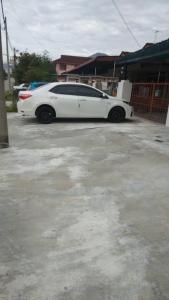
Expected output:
(84, 27)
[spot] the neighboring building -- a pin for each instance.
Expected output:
(148, 70)
(147, 45)
(98, 72)
(124, 53)
(67, 62)
(149, 64)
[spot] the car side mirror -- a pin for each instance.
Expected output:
(104, 96)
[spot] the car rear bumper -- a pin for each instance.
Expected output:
(24, 110)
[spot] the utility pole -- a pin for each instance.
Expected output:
(4, 143)
(7, 53)
(14, 69)
(114, 69)
(14, 57)
(14, 62)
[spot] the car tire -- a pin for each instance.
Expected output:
(116, 115)
(45, 114)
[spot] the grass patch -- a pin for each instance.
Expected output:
(11, 100)
(11, 108)
(11, 96)
(8, 96)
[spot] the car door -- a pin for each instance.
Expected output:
(65, 100)
(91, 102)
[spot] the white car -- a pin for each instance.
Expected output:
(72, 100)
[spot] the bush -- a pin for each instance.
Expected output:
(11, 97)
(8, 96)
(11, 108)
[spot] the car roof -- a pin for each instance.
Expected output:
(69, 83)
(53, 84)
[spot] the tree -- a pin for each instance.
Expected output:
(34, 67)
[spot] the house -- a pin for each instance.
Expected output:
(124, 53)
(98, 72)
(67, 62)
(149, 64)
(148, 70)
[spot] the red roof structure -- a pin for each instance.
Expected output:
(70, 59)
(97, 62)
(124, 53)
(147, 45)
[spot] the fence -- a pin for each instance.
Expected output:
(151, 100)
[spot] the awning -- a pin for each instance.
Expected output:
(156, 52)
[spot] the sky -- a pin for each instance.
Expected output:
(84, 27)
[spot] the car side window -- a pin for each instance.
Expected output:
(77, 90)
(88, 92)
(64, 89)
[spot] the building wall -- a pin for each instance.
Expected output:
(61, 67)
(70, 67)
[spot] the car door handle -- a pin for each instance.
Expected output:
(83, 99)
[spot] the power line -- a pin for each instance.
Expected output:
(21, 22)
(125, 22)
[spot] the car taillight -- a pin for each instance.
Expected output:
(24, 97)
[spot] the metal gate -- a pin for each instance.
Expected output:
(151, 100)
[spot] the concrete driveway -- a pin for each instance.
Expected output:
(84, 211)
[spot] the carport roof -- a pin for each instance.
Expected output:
(157, 52)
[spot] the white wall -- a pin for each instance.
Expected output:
(124, 90)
